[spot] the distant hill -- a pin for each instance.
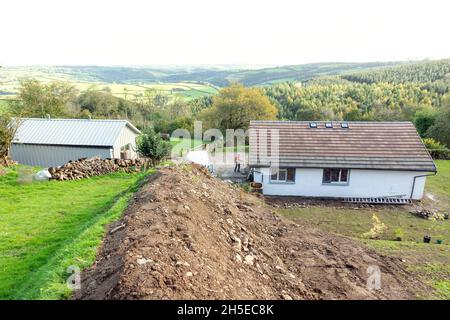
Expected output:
(268, 76)
(423, 71)
(193, 81)
(219, 76)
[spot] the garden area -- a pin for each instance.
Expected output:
(430, 261)
(47, 227)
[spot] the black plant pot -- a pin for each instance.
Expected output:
(427, 239)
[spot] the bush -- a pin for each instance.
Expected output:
(436, 149)
(8, 129)
(424, 119)
(440, 130)
(151, 145)
(398, 233)
(378, 228)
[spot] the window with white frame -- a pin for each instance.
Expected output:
(335, 176)
(283, 175)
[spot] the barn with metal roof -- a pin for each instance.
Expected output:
(339, 159)
(53, 142)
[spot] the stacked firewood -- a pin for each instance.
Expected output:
(7, 162)
(85, 168)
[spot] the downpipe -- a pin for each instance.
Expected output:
(420, 176)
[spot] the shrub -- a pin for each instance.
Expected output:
(151, 145)
(424, 119)
(440, 130)
(436, 149)
(378, 228)
(398, 234)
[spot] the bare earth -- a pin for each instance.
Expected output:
(188, 235)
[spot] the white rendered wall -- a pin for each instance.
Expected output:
(362, 183)
(127, 136)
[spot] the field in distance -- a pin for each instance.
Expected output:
(116, 81)
(185, 81)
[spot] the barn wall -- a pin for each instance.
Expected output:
(51, 156)
(126, 136)
(362, 183)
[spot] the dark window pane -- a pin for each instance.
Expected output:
(344, 175)
(291, 174)
(282, 175)
(274, 175)
(326, 175)
(335, 175)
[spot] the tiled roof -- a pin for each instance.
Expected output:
(363, 145)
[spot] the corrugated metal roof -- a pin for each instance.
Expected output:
(363, 145)
(73, 132)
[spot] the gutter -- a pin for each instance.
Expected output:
(420, 176)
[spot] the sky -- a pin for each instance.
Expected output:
(262, 32)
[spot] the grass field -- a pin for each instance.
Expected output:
(439, 185)
(182, 90)
(431, 262)
(45, 227)
(194, 143)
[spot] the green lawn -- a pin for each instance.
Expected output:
(439, 185)
(194, 143)
(47, 226)
(428, 261)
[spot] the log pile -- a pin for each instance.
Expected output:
(7, 162)
(85, 168)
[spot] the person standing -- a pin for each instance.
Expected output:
(237, 163)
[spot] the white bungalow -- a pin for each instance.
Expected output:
(378, 160)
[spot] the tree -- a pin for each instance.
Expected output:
(236, 105)
(99, 103)
(424, 119)
(38, 99)
(198, 104)
(440, 130)
(151, 145)
(10, 121)
(168, 126)
(337, 99)
(6, 136)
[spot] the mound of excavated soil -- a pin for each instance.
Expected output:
(187, 235)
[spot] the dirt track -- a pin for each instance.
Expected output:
(188, 235)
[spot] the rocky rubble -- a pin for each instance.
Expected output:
(428, 213)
